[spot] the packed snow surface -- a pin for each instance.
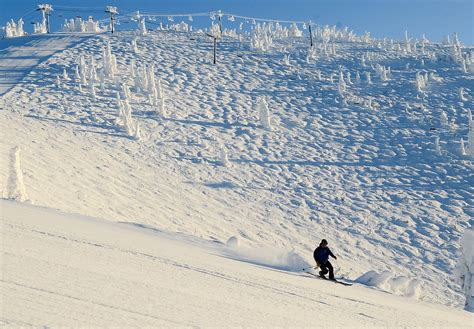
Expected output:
(276, 146)
(61, 270)
(19, 56)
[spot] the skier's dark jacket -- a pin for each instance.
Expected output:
(321, 254)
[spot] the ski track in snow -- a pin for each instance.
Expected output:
(18, 56)
(368, 180)
(68, 270)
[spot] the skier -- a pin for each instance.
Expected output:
(321, 256)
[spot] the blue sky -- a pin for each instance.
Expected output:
(390, 18)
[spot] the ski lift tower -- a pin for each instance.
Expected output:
(112, 11)
(46, 11)
(219, 15)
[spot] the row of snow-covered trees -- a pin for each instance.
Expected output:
(79, 25)
(13, 29)
(16, 29)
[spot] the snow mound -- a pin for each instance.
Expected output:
(233, 241)
(269, 257)
(386, 280)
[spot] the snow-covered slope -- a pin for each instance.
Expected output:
(18, 56)
(362, 171)
(70, 270)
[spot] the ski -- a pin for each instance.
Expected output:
(335, 281)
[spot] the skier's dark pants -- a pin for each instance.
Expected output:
(327, 267)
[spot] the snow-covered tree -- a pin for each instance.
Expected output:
(132, 69)
(14, 29)
(40, 28)
(109, 62)
(125, 91)
(465, 268)
(295, 32)
(16, 186)
(118, 99)
(82, 69)
(470, 135)
(150, 72)
(348, 78)
(125, 119)
(462, 96)
(443, 119)
(462, 148)
(333, 49)
(421, 82)
(19, 28)
(363, 60)
(77, 74)
(65, 75)
(224, 158)
(92, 75)
(261, 38)
(142, 27)
(342, 84)
(381, 72)
(367, 78)
(160, 89)
(137, 135)
(92, 90)
(311, 53)
(264, 113)
(455, 39)
(437, 146)
(134, 46)
(446, 40)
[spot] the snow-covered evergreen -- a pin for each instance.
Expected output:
(470, 135)
(109, 62)
(264, 113)
(224, 157)
(142, 27)
(444, 120)
(16, 186)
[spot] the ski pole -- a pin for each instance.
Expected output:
(337, 266)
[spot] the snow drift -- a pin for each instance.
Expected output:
(266, 256)
(399, 285)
